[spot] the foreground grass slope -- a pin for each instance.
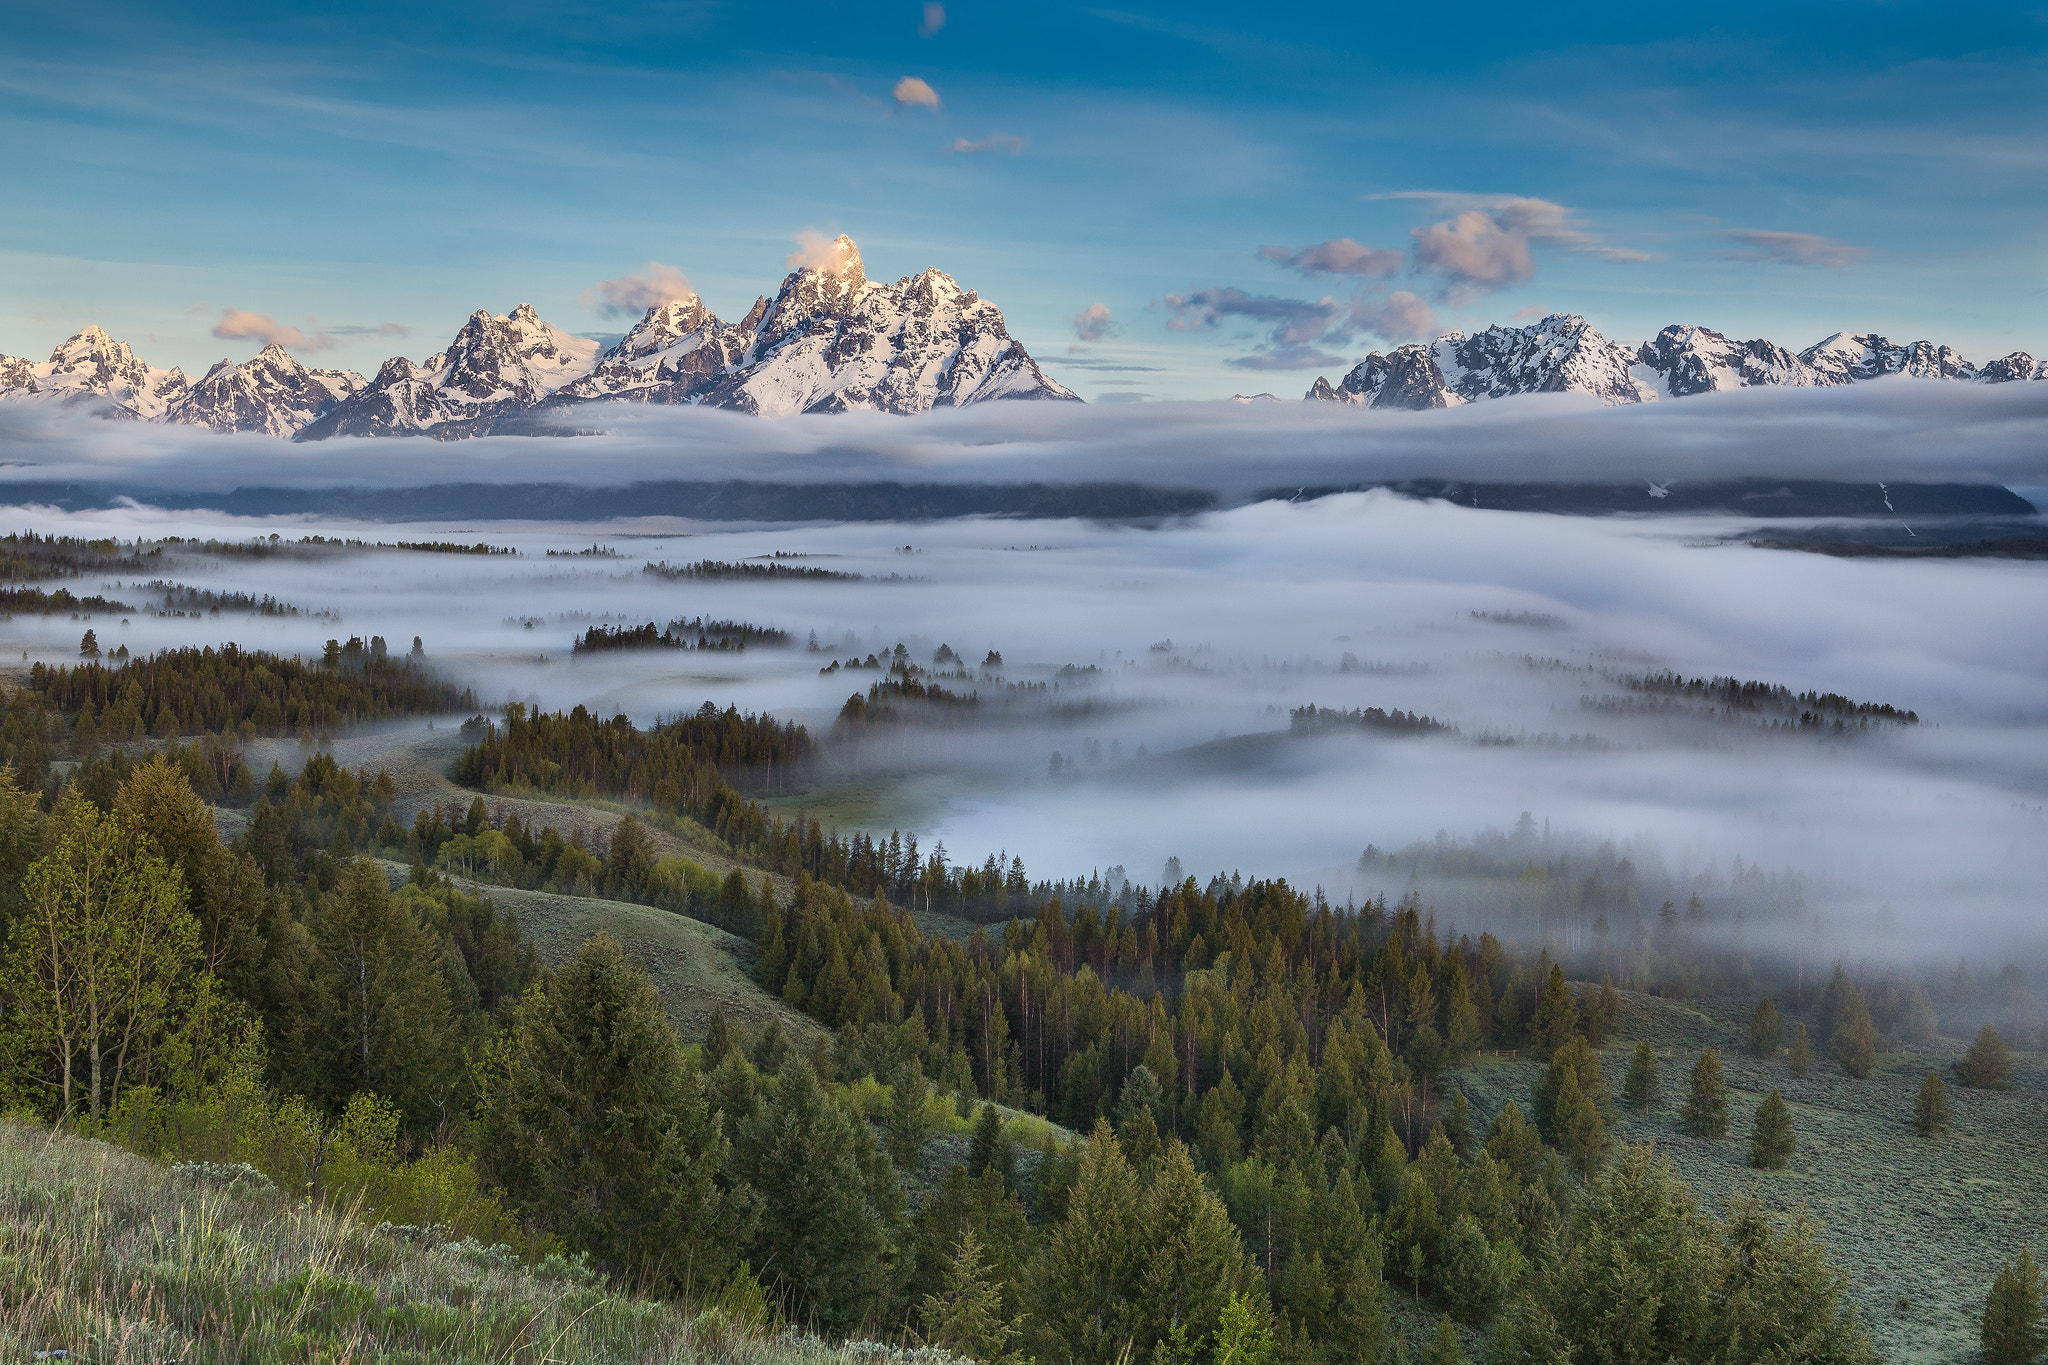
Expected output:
(111, 1258)
(1920, 1224)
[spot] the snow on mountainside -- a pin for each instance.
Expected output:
(495, 367)
(92, 370)
(829, 341)
(1564, 354)
(271, 392)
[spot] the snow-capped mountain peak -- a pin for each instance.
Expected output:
(271, 392)
(1564, 354)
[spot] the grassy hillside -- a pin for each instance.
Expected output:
(1920, 1225)
(696, 967)
(108, 1257)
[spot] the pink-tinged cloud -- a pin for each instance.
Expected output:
(1474, 253)
(1401, 316)
(1003, 144)
(815, 251)
(1094, 322)
(934, 20)
(1340, 257)
(631, 295)
(1793, 248)
(235, 325)
(913, 90)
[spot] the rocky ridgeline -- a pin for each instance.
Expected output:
(830, 340)
(1565, 354)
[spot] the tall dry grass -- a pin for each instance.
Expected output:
(117, 1260)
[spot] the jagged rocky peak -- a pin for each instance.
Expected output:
(2018, 365)
(271, 392)
(1693, 359)
(828, 284)
(90, 369)
(1564, 354)
(665, 325)
(835, 341)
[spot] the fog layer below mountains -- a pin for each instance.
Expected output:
(1518, 630)
(1891, 429)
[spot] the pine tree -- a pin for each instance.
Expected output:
(772, 1050)
(1362, 1330)
(388, 1013)
(601, 1134)
(1771, 1143)
(966, 1317)
(1930, 1109)
(1645, 1079)
(1854, 1041)
(1557, 1018)
(2012, 1326)
(1086, 1287)
(822, 1238)
(1987, 1065)
(1577, 1057)
(1458, 1126)
(1706, 1108)
(1192, 1258)
(717, 1040)
(1577, 1129)
(1444, 1347)
(1799, 1057)
(909, 1128)
(990, 1149)
(1764, 1029)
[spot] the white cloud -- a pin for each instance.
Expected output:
(1093, 323)
(914, 90)
(630, 295)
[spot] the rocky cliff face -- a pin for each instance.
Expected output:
(1563, 354)
(271, 392)
(92, 371)
(496, 367)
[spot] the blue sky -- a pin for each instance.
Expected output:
(1255, 196)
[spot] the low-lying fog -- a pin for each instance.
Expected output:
(1509, 627)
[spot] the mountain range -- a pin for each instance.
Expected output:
(830, 340)
(1565, 354)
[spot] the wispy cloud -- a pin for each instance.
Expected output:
(632, 294)
(915, 90)
(1293, 321)
(1401, 316)
(934, 20)
(1094, 322)
(382, 329)
(237, 325)
(1005, 144)
(1339, 257)
(1793, 248)
(1484, 241)
(1289, 356)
